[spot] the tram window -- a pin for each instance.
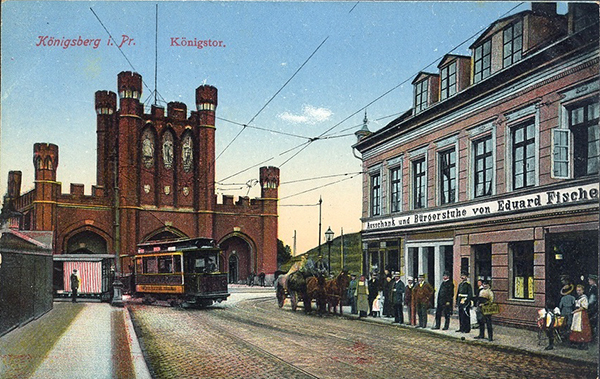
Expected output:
(199, 265)
(150, 266)
(138, 266)
(165, 264)
(211, 266)
(177, 263)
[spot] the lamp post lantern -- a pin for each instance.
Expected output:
(329, 239)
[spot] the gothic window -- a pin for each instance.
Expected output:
(148, 148)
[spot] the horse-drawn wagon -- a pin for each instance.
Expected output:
(306, 282)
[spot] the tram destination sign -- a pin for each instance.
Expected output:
(530, 202)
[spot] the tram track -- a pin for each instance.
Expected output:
(254, 338)
(255, 304)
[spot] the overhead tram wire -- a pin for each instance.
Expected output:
(122, 53)
(263, 129)
(310, 140)
(316, 188)
(273, 97)
(396, 86)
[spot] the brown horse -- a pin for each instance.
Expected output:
(315, 289)
(336, 289)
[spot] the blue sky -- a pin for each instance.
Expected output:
(371, 47)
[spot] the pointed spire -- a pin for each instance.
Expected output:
(364, 131)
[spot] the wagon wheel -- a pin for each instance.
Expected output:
(280, 296)
(294, 300)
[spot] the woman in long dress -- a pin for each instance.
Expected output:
(581, 332)
(361, 294)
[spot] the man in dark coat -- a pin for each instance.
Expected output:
(444, 302)
(398, 296)
(464, 296)
(592, 295)
(373, 285)
(75, 281)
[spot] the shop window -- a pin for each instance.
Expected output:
(447, 176)
(513, 43)
(482, 61)
(375, 195)
(395, 189)
(419, 183)
(448, 81)
(483, 166)
(523, 155)
(421, 95)
(522, 267)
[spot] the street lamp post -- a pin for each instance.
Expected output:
(329, 239)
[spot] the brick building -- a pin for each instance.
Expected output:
(494, 170)
(155, 181)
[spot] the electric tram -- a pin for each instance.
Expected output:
(182, 272)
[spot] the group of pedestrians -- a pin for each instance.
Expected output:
(388, 295)
(576, 316)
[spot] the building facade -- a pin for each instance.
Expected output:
(155, 181)
(494, 170)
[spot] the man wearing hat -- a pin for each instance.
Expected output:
(398, 296)
(75, 281)
(486, 296)
(464, 295)
(409, 301)
(592, 295)
(444, 302)
(423, 294)
(351, 291)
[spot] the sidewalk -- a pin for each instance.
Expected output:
(82, 340)
(504, 337)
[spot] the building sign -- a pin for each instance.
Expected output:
(530, 202)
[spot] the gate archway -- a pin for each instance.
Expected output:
(242, 249)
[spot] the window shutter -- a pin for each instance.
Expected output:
(561, 140)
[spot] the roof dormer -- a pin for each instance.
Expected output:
(426, 90)
(510, 39)
(455, 74)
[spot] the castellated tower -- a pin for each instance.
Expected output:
(47, 189)
(206, 105)
(269, 183)
(106, 130)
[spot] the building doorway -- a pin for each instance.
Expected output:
(574, 255)
(233, 267)
(483, 261)
(245, 259)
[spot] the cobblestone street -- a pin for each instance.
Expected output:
(253, 338)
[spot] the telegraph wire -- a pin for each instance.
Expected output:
(316, 188)
(397, 86)
(320, 177)
(275, 95)
(263, 129)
